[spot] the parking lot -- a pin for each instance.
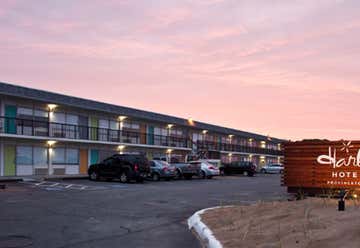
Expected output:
(82, 213)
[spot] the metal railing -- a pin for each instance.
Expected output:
(59, 130)
(215, 146)
(29, 127)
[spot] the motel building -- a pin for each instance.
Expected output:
(45, 134)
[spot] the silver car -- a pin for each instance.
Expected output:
(273, 168)
(208, 170)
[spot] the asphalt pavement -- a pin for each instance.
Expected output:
(82, 213)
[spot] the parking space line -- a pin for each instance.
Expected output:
(55, 184)
(68, 186)
(38, 184)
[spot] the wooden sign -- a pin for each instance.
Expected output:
(322, 164)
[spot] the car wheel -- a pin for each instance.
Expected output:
(94, 176)
(155, 177)
(245, 173)
(178, 175)
(124, 178)
(202, 174)
(263, 171)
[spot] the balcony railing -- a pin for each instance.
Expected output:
(59, 130)
(214, 146)
(50, 130)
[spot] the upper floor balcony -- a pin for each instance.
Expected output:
(53, 130)
(30, 127)
(215, 146)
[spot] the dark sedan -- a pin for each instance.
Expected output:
(238, 167)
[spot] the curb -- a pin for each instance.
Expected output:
(202, 230)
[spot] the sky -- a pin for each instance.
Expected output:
(288, 69)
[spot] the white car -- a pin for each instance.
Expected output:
(273, 168)
(208, 170)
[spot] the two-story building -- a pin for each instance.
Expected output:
(45, 133)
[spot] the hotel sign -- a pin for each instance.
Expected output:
(322, 164)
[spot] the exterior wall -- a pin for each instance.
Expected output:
(95, 124)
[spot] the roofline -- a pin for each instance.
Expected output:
(62, 99)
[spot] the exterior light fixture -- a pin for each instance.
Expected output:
(170, 126)
(191, 122)
(52, 107)
(51, 143)
(263, 144)
(121, 147)
(230, 154)
(169, 151)
(251, 140)
(122, 117)
(204, 131)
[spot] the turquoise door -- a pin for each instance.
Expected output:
(150, 136)
(94, 156)
(10, 114)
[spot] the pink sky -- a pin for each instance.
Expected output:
(288, 69)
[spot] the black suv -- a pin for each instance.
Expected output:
(125, 167)
(238, 167)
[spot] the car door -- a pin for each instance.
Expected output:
(106, 167)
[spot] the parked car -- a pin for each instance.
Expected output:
(161, 169)
(207, 170)
(239, 167)
(273, 168)
(186, 170)
(125, 167)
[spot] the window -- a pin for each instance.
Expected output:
(131, 125)
(65, 156)
(25, 111)
(114, 125)
(24, 155)
(58, 117)
(72, 156)
(40, 156)
(58, 156)
(41, 113)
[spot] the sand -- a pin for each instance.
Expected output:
(314, 222)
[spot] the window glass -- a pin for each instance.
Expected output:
(58, 117)
(103, 123)
(40, 155)
(24, 155)
(24, 111)
(114, 125)
(41, 113)
(72, 119)
(72, 156)
(58, 156)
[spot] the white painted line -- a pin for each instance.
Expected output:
(68, 186)
(204, 232)
(83, 187)
(37, 184)
(55, 184)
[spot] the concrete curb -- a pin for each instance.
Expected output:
(203, 231)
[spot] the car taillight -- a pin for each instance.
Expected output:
(136, 167)
(212, 168)
(165, 168)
